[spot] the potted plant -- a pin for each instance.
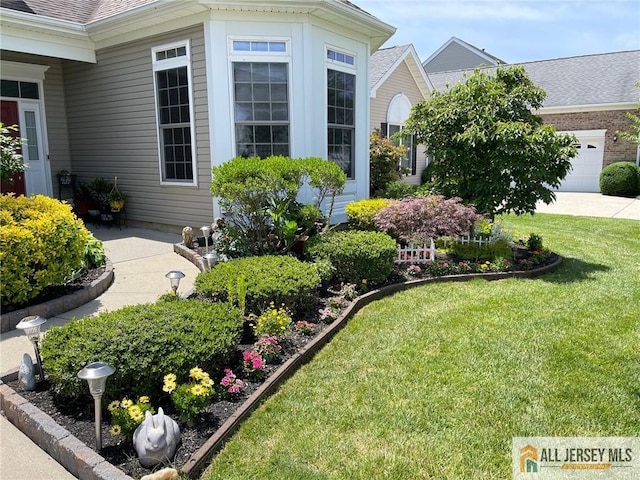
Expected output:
(99, 188)
(116, 198)
(83, 202)
(64, 177)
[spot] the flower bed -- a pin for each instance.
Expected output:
(222, 417)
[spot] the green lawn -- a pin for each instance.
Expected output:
(435, 381)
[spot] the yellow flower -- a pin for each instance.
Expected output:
(207, 382)
(196, 373)
(134, 411)
(138, 417)
(126, 403)
(170, 378)
(199, 390)
(169, 387)
(364, 280)
(144, 399)
(113, 405)
(115, 430)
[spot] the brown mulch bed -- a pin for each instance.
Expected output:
(79, 419)
(56, 291)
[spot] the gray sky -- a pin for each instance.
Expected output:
(513, 30)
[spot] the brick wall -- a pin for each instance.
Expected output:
(610, 120)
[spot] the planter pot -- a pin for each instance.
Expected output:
(82, 207)
(116, 204)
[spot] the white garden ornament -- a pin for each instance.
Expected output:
(156, 439)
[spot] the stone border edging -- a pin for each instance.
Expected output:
(190, 255)
(85, 464)
(56, 306)
(196, 464)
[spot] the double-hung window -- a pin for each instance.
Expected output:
(260, 71)
(341, 91)
(173, 89)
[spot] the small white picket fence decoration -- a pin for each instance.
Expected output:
(466, 239)
(416, 254)
(425, 254)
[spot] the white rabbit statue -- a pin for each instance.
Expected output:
(156, 439)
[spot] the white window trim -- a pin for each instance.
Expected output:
(259, 57)
(345, 68)
(168, 64)
(329, 61)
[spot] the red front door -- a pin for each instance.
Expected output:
(9, 116)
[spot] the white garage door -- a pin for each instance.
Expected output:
(587, 165)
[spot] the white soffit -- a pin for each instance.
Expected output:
(26, 33)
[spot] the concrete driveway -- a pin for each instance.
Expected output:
(592, 205)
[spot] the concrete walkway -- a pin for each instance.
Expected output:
(140, 259)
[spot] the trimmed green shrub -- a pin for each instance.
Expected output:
(143, 343)
(41, 243)
(258, 198)
(270, 278)
(356, 255)
(398, 189)
(620, 179)
(473, 251)
(361, 212)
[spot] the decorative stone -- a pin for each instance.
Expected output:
(164, 474)
(27, 374)
(187, 236)
(156, 439)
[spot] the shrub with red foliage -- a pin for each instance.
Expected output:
(416, 220)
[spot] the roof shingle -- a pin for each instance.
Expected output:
(585, 80)
(382, 60)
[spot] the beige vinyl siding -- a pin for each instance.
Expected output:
(113, 131)
(400, 81)
(55, 112)
(455, 57)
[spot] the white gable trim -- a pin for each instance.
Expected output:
(417, 72)
(471, 48)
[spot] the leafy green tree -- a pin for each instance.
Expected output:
(489, 148)
(633, 134)
(11, 160)
(384, 162)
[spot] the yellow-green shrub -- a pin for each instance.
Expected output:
(360, 213)
(41, 243)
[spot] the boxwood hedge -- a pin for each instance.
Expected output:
(356, 255)
(268, 278)
(143, 343)
(621, 179)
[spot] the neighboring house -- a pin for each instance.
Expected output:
(456, 54)
(588, 96)
(398, 81)
(156, 92)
